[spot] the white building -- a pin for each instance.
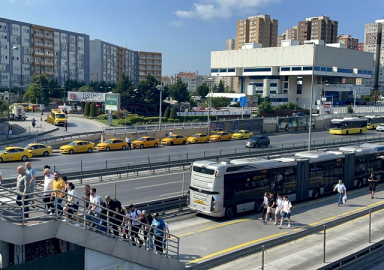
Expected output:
(285, 73)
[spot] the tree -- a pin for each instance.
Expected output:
(87, 109)
(215, 89)
(266, 106)
(179, 92)
(202, 90)
(221, 102)
(221, 88)
(147, 93)
(33, 92)
(86, 88)
(350, 109)
(173, 114)
(93, 110)
(126, 88)
(166, 113)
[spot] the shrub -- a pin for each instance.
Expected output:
(93, 110)
(120, 114)
(350, 109)
(99, 111)
(87, 109)
(103, 116)
(166, 113)
(122, 122)
(173, 114)
(173, 120)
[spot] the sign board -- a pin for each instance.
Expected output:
(86, 96)
(112, 102)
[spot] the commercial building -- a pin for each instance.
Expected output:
(349, 42)
(320, 28)
(27, 49)
(373, 43)
(257, 29)
(149, 63)
(285, 73)
(109, 61)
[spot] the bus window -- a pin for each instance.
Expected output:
(203, 170)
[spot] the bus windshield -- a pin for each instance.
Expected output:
(203, 170)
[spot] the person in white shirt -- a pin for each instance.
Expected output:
(170, 133)
(279, 205)
(48, 186)
(1, 178)
(265, 206)
(94, 209)
(72, 204)
(286, 207)
(136, 217)
(341, 190)
(166, 236)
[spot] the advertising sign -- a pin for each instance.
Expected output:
(86, 96)
(112, 102)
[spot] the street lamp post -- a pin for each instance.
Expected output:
(9, 93)
(210, 105)
(354, 99)
(311, 101)
(160, 88)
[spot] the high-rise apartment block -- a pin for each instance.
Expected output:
(27, 49)
(288, 34)
(349, 42)
(373, 42)
(257, 29)
(360, 46)
(321, 28)
(230, 44)
(109, 61)
(149, 63)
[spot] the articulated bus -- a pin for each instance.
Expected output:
(348, 126)
(374, 121)
(223, 189)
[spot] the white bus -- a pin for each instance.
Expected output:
(226, 188)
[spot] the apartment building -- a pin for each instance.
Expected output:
(320, 28)
(349, 42)
(230, 44)
(257, 29)
(374, 43)
(149, 63)
(190, 79)
(109, 61)
(360, 46)
(288, 34)
(27, 49)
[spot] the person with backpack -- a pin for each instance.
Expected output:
(136, 216)
(114, 218)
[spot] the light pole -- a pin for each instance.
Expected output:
(311, 102)
(322, 95)
(9, 92)
(160, 88)
(354, 99)
(210, 104)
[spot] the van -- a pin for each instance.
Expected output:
(57, 117)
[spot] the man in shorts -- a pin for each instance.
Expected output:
(372, 180)
(271, 207)
(279, 205)
(286, 211)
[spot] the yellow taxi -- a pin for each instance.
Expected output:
(38, 149)
(13, 153)
(220, 136)
(198, 138)
(242, 134)
(112, 144)
(77, 147)
(174, 139)
(146, 141)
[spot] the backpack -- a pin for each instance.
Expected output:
(118, 204)
(149, 218)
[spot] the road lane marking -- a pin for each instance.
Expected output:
(159, 185)
(224, 224)
(236, 247)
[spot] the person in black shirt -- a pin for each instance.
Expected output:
(271, 207)
(114, 218)
(372, 184)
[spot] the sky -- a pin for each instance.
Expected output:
(184, 31)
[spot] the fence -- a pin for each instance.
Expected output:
(106, 222)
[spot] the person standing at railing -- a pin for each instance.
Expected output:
(58, 184)
(136, 218)
(48, 186)
(31, 171)
(72, 205)
(1, 178)
(22, 188)
(94, 209)
(158, 226)
(113, 218)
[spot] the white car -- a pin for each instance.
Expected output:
(380, 128)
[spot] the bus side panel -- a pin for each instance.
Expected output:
(349, 174)
(302, 189)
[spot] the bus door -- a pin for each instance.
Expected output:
(277, 181)
(329, 178)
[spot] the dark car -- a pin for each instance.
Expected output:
(298, 114)
(257, 141)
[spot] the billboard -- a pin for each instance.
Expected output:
(112, 102)
(86, 96)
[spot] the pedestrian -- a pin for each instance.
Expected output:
(264, 205)
(114, 219)
(372, 184)
(94, 209)
(128, 140)
(136, 216)
(158, 226)
(72, 205)
(48, 186)
(125, 223)
(271, 207)
(1, 178)
(33, 108)
(279, 204)
(166, 236)
(279, 182)
(31, 171)
(33, 122)
(341, 190)
(66, 126)
(286, 208)
(57, 196)
(87, 194)
(170, 133)
(22, 189)
(148, 231)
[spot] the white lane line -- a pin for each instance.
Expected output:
(159, 185)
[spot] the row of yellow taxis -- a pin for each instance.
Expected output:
(14, 153)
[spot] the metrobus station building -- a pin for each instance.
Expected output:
(285, 73)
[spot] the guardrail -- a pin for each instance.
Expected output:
(69, 136)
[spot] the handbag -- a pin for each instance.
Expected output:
(344, 198)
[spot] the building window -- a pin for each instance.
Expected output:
(299, 89)
(257, 69)
(4, 57)
(296, 68)
(307, 68)
(285, 69)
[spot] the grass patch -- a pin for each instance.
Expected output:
(115, 122)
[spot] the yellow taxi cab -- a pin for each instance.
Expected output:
(37, 107)
(13, 153)
(198, 138)
(220, 136)
(77, 147)
(38, 149)
(174, 139)
(242, 134)
(112, 144)
(146, 141)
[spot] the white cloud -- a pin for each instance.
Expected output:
(208, 9)
(176, 23)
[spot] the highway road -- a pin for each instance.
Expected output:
(96, 160)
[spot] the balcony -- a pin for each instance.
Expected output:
(38, 53)
(38, 44)
(49, 45)
(49, 63)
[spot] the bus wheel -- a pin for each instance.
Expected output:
(230, 212)
(258, 206)
(315, 193)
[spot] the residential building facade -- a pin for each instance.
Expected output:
(230, 44)
(27, 49)
(349, 42)
(149, 63)
(288, 34)
(318, 28)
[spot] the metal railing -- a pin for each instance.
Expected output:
(69, 136)
(54, 205)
